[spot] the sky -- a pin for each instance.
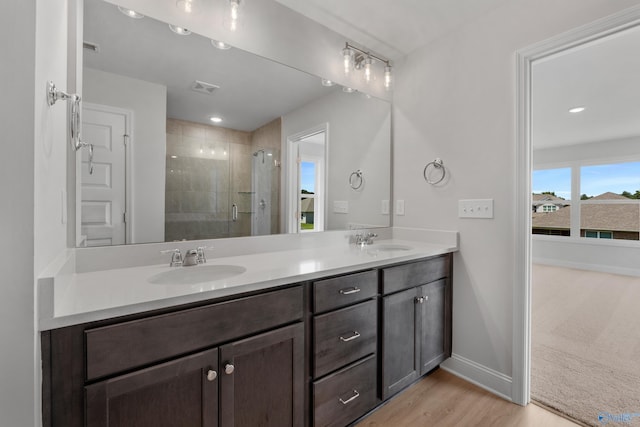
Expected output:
(308, 176)
(594, 180)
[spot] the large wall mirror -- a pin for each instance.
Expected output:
(192, 141)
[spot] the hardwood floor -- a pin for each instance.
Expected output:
(442, 399)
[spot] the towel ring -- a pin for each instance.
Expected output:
(357, 182)
(437, 165)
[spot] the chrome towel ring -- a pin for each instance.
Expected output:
(437, 166)
(356, 179)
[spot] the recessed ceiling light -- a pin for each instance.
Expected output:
(327, 83)
(576, 110)
(220, 45)
(130, 13)
(174, 157)
(179, 30)
(348, 89)
(215, 119)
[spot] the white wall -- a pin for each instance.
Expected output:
(148, 102)
(455, 99)
(359, 132)
(33, 177)
(16, 211)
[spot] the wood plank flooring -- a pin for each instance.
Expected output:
(442, 399)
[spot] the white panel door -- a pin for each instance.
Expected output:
(103, 192)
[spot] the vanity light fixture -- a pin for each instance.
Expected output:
(215, 119)
(576, 110)
(188, 6)
(359, 59)
(327, 83)
(179, 30)
(234, 14)
(220, 45)
(130, 13)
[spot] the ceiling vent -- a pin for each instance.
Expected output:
(202, 87)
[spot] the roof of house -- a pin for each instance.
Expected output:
(306, 205)
(541, 199)
(610, 217)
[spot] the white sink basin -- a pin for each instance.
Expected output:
(390, 248)
(196, 274)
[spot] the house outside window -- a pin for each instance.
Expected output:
(598, 234)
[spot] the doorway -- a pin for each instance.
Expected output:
(307, 180)
(579, 39)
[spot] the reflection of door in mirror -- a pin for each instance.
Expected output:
(309, 163)
(103, 193)
(264, 191)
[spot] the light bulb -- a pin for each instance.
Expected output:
(347, 55)
(367, 69)
(187, 6)
(234, 6)
(387, 77)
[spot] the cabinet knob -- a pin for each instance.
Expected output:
(419, 300)
(212, 375)
(229, 368)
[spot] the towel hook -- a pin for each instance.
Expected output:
(356, 179)
(437, 165)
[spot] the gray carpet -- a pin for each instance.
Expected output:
(585, 359)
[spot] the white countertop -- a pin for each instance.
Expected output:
(73, 298)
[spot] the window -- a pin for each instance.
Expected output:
(598, 234)
(307, 194)
(607, 198)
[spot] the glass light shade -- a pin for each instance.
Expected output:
(367, 69)
(388, 77)
(188, 6)
(347, 55)
(234, 14)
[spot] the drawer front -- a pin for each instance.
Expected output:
(344, 336)
(346, 395)
(115, 348)
(344, 290)
(407, 276)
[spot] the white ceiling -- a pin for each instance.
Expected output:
(393, 28)
(603, 77)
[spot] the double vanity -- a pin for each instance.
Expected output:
(301, 337)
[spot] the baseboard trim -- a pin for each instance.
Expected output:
(486, 378)
(590, 267)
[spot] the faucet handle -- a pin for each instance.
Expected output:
(202, 259)
(176, 257)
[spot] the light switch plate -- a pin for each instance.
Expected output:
(475, 208)
(399, 207)
(385, 207)
(341, 206)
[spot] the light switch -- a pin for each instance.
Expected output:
(341, 206)
(385, 207)
(399, 207)
(475, 208)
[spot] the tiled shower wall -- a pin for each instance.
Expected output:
(208, 170)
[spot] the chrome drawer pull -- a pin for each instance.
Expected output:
(353, 290)
(355, 335)
(351, 399)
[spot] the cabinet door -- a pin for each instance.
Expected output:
(262, 380)
(180, 393)
(434, 323)
(400, 354)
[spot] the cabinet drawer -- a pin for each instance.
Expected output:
(116, 348)
(344, 290)
(343, 336)
(414, 274)
(346, 395)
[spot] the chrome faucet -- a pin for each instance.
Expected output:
(365, 239)
(176, 257)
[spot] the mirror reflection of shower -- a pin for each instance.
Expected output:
(264, 176)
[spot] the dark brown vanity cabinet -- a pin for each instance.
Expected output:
(345, 343)
(416, 318)
(233, 363)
